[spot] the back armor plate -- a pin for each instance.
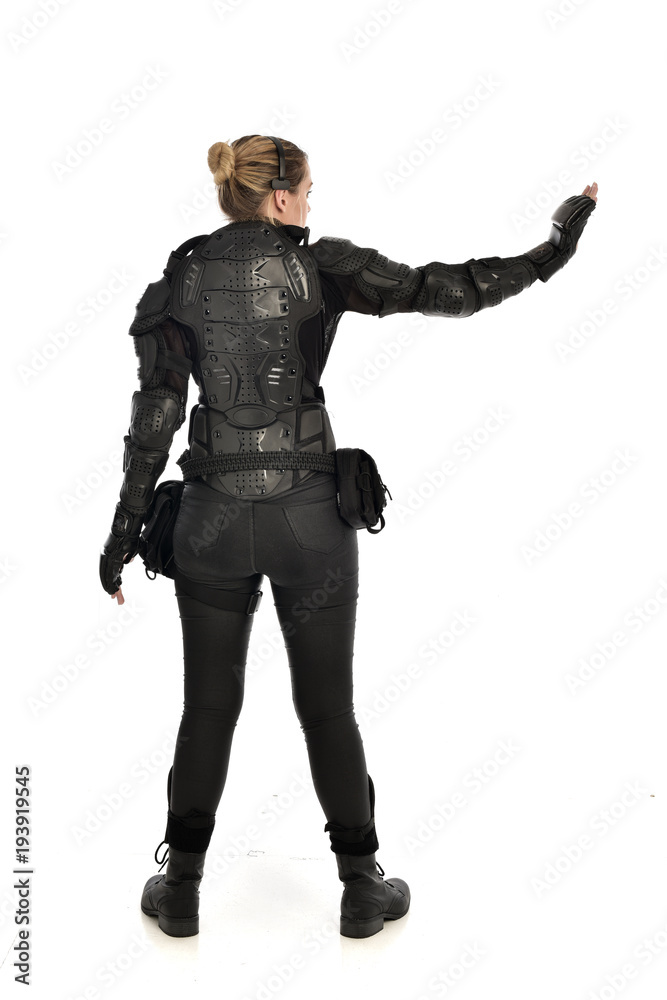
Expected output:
(244, 292)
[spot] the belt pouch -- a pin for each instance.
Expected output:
(156, 546)
(361, 492)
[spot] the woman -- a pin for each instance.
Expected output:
(251, 312)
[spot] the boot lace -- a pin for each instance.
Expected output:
(166, 855)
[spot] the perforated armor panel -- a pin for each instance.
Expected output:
(379, 279)
(244, 293)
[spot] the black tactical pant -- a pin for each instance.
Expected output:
(310, 556)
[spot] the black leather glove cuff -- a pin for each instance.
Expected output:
(121, 545)
(567, 224)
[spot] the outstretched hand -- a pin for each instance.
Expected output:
(592, 191)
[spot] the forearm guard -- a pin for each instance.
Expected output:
(155, 417)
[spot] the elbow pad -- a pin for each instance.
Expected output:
(459, 290)
(448, 291)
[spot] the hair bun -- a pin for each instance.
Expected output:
(221, 161)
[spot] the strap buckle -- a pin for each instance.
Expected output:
(254, 602)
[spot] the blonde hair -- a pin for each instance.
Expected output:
(243, 171)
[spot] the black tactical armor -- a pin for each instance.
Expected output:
(245, 293)
(252, 315)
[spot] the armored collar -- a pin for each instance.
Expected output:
(295, 233)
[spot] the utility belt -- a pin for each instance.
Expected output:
(360, 497)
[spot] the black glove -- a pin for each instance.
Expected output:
(568, 222)
(121, 545)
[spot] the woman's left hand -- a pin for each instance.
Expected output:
(119, 592)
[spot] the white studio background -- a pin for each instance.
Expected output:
(536, 566)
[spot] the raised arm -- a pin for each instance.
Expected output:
(368, 282)
(157, 412)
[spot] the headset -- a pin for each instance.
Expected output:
(281, 181)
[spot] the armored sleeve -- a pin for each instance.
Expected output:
(158, 406)
(366, 281)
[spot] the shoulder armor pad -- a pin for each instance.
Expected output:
(152, 307)
(341, 256)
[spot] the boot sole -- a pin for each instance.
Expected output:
(368, 927)
(174, 926)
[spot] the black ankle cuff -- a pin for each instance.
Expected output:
(354, 842)
(191, 834)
